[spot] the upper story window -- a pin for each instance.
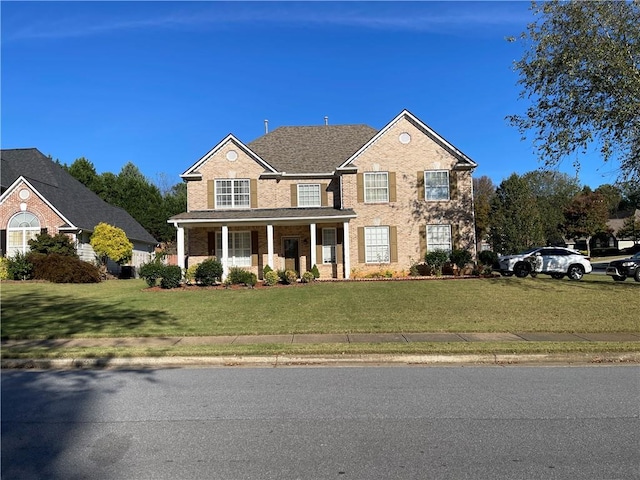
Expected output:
(309, 195)
(233, 193)
(376, 187)
(436, 185)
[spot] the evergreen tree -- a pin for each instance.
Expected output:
(515, 220)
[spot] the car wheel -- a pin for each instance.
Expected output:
(557, 276)
(521, 270)
(636, 277)
(576, 272)
(619, 278)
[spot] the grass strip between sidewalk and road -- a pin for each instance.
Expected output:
(126, 308)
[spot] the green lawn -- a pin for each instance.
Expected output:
(127, 308)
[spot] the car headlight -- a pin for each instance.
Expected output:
(628, 264)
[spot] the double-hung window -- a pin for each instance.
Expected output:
(328, 245)
(376, 244)
(232, 193)
(439, 237)
(239, 248)
(376, 187)
(309, 195)
(436, 185)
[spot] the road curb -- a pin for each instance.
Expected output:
(327, 360)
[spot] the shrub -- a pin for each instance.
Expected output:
(460, 258)
(4, 268)
(488, 258)
(266, 270)
(251, 279)
(236, 275)
(111, 242)
(436, 260)
(307, 277)
(190, 274)
(59, 243)
(270, 278)
(290, 276)
(151, 272)
(171, 276)
(209, 272)
(19, 267)
(315, 271)
(59, 268)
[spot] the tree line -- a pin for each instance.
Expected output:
(150, 204)
(547, 207)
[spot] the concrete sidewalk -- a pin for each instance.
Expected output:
(324, 338)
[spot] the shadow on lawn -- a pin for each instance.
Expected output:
(36, 315)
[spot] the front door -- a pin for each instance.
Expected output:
(291, 254)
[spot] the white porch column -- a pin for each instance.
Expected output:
(225, 252)
(345, 250)
(180, 246)
(312, 228)
(270, 247)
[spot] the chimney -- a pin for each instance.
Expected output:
(326, 120)
(266, 126)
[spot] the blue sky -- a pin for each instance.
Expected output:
(160, 83)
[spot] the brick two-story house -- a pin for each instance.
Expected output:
(347, 198)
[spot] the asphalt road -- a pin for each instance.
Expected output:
(323, 423)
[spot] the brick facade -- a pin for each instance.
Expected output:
(404, 149)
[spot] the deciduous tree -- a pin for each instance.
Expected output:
(111, 242)
(483, 192)
(581, 71)
(586, 216)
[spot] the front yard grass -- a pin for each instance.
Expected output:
(126, 308)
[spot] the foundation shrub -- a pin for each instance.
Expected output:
(59, 268)
(315, 271)
(171, 276)
(19, 267)
(151, 272)
(209, 272)
(436, 259)
(270, 278)
(307, 277)
(4, 268)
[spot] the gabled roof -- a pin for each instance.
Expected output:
(193, 171)
(463, 160)
(78, 205)
(311, 149)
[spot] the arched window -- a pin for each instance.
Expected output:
(22, 227)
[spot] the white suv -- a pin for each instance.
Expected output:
(554, 261)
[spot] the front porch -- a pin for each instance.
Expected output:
(285, 239)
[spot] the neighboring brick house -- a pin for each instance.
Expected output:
(347, 198)
(38, 195)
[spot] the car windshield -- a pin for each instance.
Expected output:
(636, 256)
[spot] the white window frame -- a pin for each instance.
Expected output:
(439, 237)
(376, 250)
(22, 227)
(234, 194)
(369, 196)
(433, 189)
(239, 256)
(307, 186)
(329, 245)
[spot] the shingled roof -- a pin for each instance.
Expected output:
(312, 149)
(79, 205)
